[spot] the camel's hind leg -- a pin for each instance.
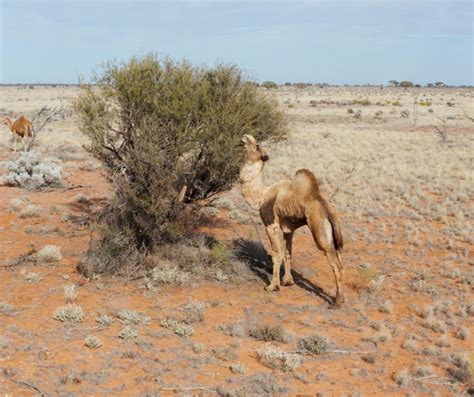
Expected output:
(288, 278)
(275, 235)
(321, 230)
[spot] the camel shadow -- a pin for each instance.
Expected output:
(254, 254)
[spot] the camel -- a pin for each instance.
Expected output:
(286, 206)
(22, 127)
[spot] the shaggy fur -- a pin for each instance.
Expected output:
(22, 128)
(284, 207)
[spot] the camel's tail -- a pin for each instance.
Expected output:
(336, 231)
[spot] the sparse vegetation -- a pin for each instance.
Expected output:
(130, 317)
(128, 333)
(179, 328)
(49, 253)
(105, 320)
(314, 344)
(92, 342)
(32, 277)
(70, 313)
(269, 333)
(276, 358)
(70, 293)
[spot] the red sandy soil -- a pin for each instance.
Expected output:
(42, 354)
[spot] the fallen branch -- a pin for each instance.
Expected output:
(22, 383)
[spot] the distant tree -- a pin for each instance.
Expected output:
(430, 85)
(406, 84)
(394, 83)
(440, 84)
(300, 86)
(288, 84)
(269, 84)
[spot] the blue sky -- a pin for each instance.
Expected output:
(338, 42)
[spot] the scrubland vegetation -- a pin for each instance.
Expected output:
(191, 315)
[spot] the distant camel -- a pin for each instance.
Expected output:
(284, 207)
(22, 128)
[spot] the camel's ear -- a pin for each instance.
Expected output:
(249, 140)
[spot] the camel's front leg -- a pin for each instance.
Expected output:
(275, 235)
(288, 278)
(14, 142)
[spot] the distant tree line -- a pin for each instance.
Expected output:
(392, 83)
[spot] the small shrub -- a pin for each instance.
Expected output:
(276, 358)
(369, 358)
(463, 334)
(20, 202)
(443, 341)
(6, 308)
(168, 273)
(403, 377)
(32, 172)
(387, 307)
(49, 253)
(179, 328)
(69, 313)
(194, 312)
(410, 345)
(104, 320)
(314, 344)
(383, 335)
(269, 333)
(198, 348)
(70, 293)
(225, 353)
(32, 277)
(130, 317)
(236, 330)
(422, 371)
(128, 333)
(396, 103)
(435, 325)
(30, 211)
(92, 342)
(238, 368)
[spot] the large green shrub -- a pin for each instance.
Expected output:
(163, 128)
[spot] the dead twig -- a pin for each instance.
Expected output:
(23, 383)
(40, 120)
(442, 130)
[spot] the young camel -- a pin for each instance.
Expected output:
(284, 207)
(22, 128)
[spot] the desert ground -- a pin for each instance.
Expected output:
(395, 163)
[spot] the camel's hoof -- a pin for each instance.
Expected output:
(287, 282)
(271, 287)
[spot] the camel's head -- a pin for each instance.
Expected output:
(254, 151)
(7, 121)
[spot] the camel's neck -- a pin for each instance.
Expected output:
(251, 183)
